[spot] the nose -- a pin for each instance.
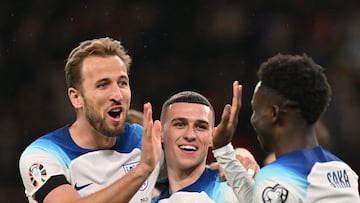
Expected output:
(116, 94)
(190, 133)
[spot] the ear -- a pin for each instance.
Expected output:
(75, 98)
(275, 114)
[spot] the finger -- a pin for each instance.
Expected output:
(148, 122)
(157, 130)
(145, 120)
(230, 112)
(225, 117)
(156, 138)
(236, 102)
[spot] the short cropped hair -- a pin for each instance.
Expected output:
(299, 79)
(187, 97)
(95, 47)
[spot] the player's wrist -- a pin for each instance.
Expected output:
(145, 169)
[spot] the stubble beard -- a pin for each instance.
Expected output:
(99, 124)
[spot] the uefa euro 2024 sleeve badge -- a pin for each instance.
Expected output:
(37, 174)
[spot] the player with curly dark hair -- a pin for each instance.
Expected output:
(290, 97)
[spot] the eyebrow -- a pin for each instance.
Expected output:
(102, 80)
(108, 79)
(185, 120)
(124, 77)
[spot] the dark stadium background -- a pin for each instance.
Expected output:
(175, 45)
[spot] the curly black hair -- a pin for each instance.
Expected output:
(299, 79)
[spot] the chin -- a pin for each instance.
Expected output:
(114, 131)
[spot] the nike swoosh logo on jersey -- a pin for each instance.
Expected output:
(81, 187)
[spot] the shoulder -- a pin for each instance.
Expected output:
(133, 130)
(48, 148)
(283, 179)
(275, 182)
(331, 181)
(45, 157)
(130, 139)
(210, 175)
(49, 141)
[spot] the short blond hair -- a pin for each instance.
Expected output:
(95, 47)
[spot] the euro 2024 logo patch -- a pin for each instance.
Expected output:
(130, 166)
(37, 174)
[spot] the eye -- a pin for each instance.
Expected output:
(101, 85)
(202, 126)
(179, 124)
(123, 82)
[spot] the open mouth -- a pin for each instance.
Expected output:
(115, 113)
(188, 148)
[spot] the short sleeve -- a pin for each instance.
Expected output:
(37, 166)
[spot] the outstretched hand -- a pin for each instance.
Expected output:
(224, 132)
(151, 140)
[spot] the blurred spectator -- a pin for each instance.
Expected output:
(135, 116)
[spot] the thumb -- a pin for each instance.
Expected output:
(157, 129)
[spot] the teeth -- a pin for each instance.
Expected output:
(187, 147)
(115, 110)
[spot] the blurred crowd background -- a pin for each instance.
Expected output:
(175, 45)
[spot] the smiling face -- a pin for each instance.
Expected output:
(104, 94)
(187, 135)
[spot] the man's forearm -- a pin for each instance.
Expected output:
(123, 189)
(237, 176)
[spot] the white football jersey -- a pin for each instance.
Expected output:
(86, 170)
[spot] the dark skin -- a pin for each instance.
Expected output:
(225, 130)
(286, 130)
(280, 128)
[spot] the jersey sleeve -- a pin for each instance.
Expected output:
(237, 176)
(37, 164)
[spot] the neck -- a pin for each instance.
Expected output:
(85, 136)
(296, 137)
(180, 178)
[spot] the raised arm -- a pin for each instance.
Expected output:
(123, 189)
(224, 132)
(236, 174)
